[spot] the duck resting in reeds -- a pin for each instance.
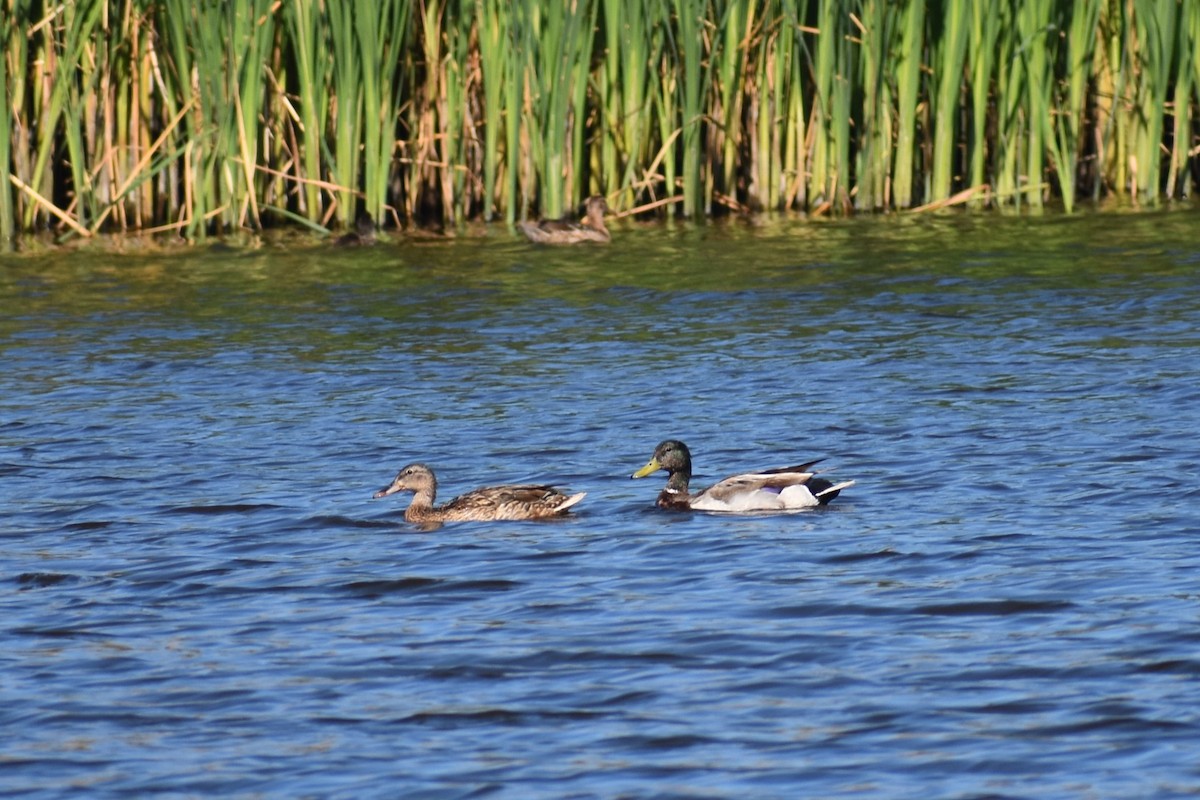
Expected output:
(785, 489)
(563, 231)
(508, 502)
(363, 234)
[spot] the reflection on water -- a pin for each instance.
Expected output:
(203, 599)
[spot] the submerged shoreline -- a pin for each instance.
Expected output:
(295, 236)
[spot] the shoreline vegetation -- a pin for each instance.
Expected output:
(204, 117)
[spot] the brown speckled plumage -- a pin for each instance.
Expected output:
(508, 502)
(559, 231)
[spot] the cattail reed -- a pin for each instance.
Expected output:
(204, 117)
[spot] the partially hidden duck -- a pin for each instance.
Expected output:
(562, 231)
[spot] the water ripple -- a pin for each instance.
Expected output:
(203, 600)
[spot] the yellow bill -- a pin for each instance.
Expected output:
(653, 466)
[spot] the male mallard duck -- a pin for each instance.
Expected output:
(491, 502)
(561, 231)
(783, 489)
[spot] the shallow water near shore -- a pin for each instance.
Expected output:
(200, 597)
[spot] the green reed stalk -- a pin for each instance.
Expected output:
(982, 48)
(1122, 68)
(17, 132)
(199, 49)
(140, 197)
(637, 71)
(730, 42)
(94, 97)
(425, 188)
(347, 108)
(1010, 88)
(1189, 64)
(115, 97)
(113, 137)
(528, 145)
(249, 29)
(772, 74)
(534, 103)
(516, 194)
(452, 107)
(821, 181)
(381, 29)
(1154, 22)
(558, 53)
(689, 16)
(794, 118)
(581, 67)
(623, 79)
(950, 55)
(152, 197)
(763, 105)
(495, 61)
(1037, 36)
(307, 34)
(252, 31)
(908, 87)
(874, 154)
(758, 103)
(608, 80)
(1181, 104)
(1100, 103)
(571, 58)
(55, 122)
(843, 84)
(10, 38)
(176, 70)
(1081, 45)
(442, 150)
(666, 103)
(86, 150)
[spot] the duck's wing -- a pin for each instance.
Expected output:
(559, 232)
(806, 467)
(550, 231)
(779, 478)
(557, 225)
(777, 489)
(510, 501)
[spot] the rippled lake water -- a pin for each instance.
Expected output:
(199, 597)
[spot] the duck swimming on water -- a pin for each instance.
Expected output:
(508, 502)
(785, 489)
(562, 231)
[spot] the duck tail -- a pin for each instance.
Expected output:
(829, 492)
(570, 501)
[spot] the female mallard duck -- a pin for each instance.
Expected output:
(561, 231)
(489, 503)
(785, 489)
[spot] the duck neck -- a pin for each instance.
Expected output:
(595, 221)
(421, 506)
(677, 482)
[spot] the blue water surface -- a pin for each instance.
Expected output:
(199, 598)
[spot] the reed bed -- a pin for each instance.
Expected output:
(204, 116)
